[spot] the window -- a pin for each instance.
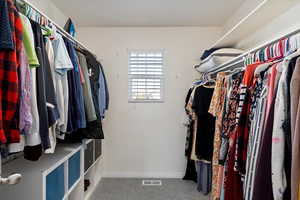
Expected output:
(146, 76)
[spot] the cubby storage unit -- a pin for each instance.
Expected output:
(58, 176)
(92, 153)
(93, 165)
(53, 177)
(88, 154)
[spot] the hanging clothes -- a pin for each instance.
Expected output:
(33, 147)
(281, 166)
(103, 93)
(189, 125)
(25, 89)
(9, 80)
(295, 134)
(47, 105)
(231, 181)
(25, 120)
(242, 118)
(52, 129)
(191, 173)
(39, 101)
(62, 64)
(217, 110)
(262, 163)
(70, 27)
(6, 33)
(204, 177)
(206, 121)
(76, 116)
(256, 117)
(88, 98)
(200, 142)
(193, 124)
(96, 78)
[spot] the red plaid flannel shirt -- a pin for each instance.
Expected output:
(9, 81)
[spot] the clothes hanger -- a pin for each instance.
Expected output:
(293, 55)
(46, 31)
(210, 82)
(236, 70)
(295, 47)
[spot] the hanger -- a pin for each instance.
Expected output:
(293, 55)
(46, 31)
(210, 82)
(238, 69)
(17, 5)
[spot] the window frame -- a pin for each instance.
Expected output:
(132, 76)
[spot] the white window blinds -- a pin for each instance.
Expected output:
(146, 76)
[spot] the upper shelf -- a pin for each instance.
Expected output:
(256, 19)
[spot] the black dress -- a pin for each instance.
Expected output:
(206, 123)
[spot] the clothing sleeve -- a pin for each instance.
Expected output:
(28, 41)
(216, 97)
(6, 39)
(223, 150)
(187, 98)
(102, 94)
(106, 88)
(62, 59)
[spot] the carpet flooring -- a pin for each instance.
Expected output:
(132, 189)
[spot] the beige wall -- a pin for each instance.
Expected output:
(147, 139)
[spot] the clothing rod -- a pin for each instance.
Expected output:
(242, 56)
(61, 30)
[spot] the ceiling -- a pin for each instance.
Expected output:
(149, 12)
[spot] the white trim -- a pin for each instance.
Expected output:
(66, 171)
(44, 187)
(67, 194)
(57, 164)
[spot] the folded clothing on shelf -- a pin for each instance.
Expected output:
(217, 58)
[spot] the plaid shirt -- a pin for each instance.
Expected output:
(9, 81)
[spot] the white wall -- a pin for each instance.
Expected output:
(239, 14)
(47, 7)
(147, 140)
(283, 24)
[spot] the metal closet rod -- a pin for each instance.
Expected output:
(240, 58)
(59, 29)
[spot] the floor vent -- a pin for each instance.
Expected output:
(152, 183)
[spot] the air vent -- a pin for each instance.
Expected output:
(152, 183)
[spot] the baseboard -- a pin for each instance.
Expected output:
(143, 174)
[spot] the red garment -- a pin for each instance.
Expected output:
(233, 186)
(9, 81)
(232, 179)
(243, 119)
(271, 86)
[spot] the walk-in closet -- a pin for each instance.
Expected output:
(149, 100)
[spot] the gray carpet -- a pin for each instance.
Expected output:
(132, 189)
